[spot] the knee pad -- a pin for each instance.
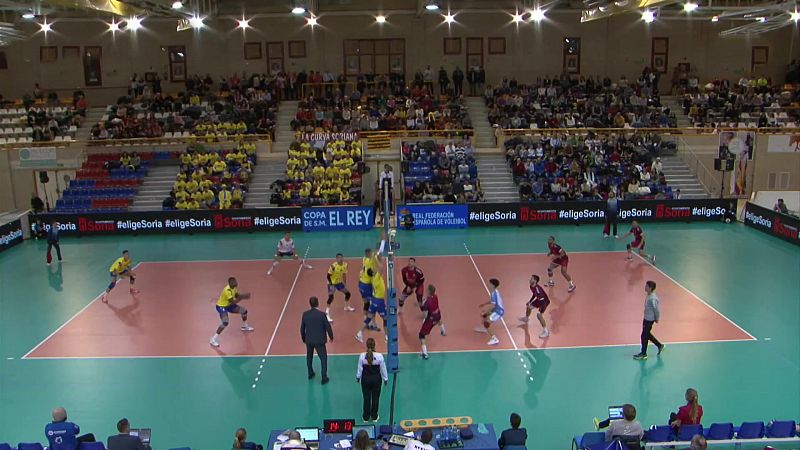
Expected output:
(242, 311)
(346, 296)
(486, 324)
(367, 321)
(111, 285)
(133, 280)
(550, 272)
(330, 298)
(421, 336)
(366, 306)
(628, 246)
(225, 322)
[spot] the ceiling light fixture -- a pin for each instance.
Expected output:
(28, 15)
(45, 26)
(715, 19)
(516, 17)
(134, 23)
(380, 18)
(113, 26)
(298, 10)
(196, 22)
(690, 6)
(432, 6)
(648, 16)
(449, 18)
(312, 21)
(177, 5)
(795, 16)
(243, 23)
(537, 15)
(761, 19)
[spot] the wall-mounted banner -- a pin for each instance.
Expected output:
(10, 234)
(434, 215)
(338, 218)
(780, 225)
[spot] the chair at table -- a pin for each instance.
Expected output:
(515, 447)
(660, 433)
(686, 432)
(720, 431)
(29, 446)
(588, 439)
(751, 430)
(91, 446)
(781, 429)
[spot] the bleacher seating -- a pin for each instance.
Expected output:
(743, 105)
(38, 124)
(102, 186)
(440, 172)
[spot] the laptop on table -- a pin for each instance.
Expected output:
(142, 433)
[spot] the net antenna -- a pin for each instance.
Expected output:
(391, 245)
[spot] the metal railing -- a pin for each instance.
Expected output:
(163, 140)
(707, 177)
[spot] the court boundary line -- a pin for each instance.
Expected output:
(295, 355)
(286, 303)
(697, 297)
(483, 283)
(80, 311)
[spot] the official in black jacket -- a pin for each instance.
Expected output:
(315, 330)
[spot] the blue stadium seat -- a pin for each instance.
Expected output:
(660, 433)
(5, 446)
(720, 431)
(181, 448)
(781, 429)
(588, 439)
(91, 446)
(686, 432)
(751, 430)
(29, 446)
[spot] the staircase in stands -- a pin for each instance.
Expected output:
(679, 176)
(155, 188)
(495, 177)
(264, 174)
(479, 115)
(93, 116)
(284, 135)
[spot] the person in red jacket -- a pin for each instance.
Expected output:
(689, 414)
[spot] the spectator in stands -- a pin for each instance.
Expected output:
(781, 207)
(689, 414)
(240, 441)
(124, 440)
(514, 435)
(627, 427)
(63, 435)
(698, 442)
(295, 442)
(424, 442)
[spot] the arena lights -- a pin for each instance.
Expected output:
(312, 21)
(177, 5)
(648, 16)
(134, 23)
(517, 17)
(28, 15)
(690, 6)
(45, 27)
(715, 19)
(761, 19)
(196, 22)
(796, 16)
(298, 10)
(113, 26)
(432, 6)
(380, 18)
(537, 15)
(243, 23)
(449, 18)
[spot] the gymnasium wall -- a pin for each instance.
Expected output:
(617, 46)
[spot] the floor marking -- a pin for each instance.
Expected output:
(474, 264)
(283, 311)
(767, 339)
(698, 298)
(292, 355)
(25, 356)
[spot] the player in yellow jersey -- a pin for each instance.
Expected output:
(369, 261)
(337, 281)
(228, 302)
(121, 268)
(377, 305)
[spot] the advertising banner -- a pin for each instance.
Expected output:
(37, 157)
(10, 234)
(771, 222)
(433, 216)
(338, 218)
(493, 214)
(673, 210)
(784, 143)
(153, 222)
(561, 212)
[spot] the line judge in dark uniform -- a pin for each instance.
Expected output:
(315, 330)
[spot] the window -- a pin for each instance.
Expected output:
(374, 56)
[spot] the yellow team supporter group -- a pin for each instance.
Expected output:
(210, 180)
(315, 182)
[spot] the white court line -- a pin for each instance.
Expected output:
(25, 356)
(698, 298)
(358, 258)
(487, 291)
(286, 303)
(293, 355)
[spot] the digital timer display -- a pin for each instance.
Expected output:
(338, 426)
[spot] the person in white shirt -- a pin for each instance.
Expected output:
(492, 314)
(285, 249)
(387, 178)
(370, 372)
(424, 442)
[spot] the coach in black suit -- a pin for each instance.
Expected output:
(315, 330)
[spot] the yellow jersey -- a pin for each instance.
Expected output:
(226, 296)
(366, 264)
(378, 287)
(119, 266)
(337, 272)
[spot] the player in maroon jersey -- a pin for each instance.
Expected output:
(539, 300)
(433, 316)
(414, 279)
(558, 257)
(638, 243)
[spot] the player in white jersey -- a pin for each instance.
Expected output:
(492, 314)
(285, 249)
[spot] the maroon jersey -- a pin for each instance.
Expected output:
(431, 306)
(538, 293)
(413, 276)
(555, 250)
(637, 233)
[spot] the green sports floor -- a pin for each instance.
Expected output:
(751, 278)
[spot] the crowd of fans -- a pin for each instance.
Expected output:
(568, 102)
(566, 168)
(435, 172)
(755, 102)
(212, 179)
(321, 173)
